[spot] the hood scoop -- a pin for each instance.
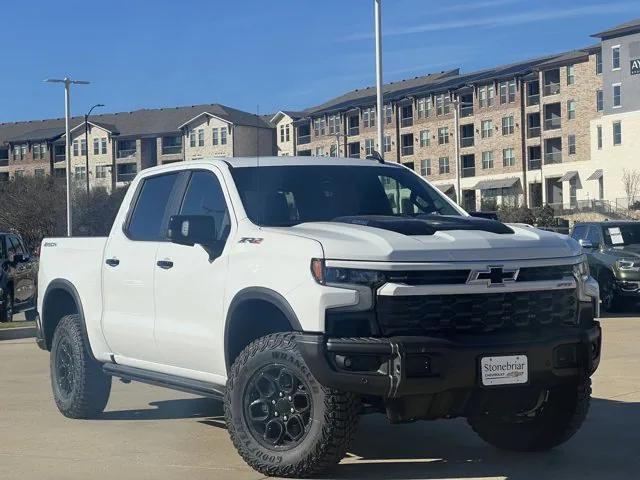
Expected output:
(426, 224)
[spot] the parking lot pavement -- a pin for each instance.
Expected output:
(149, 432)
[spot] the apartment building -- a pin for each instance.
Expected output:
(540, 131)
(119, 145)
(283, 122)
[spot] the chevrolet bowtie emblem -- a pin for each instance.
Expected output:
(493, 276)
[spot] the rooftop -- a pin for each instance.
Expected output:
(626, 28)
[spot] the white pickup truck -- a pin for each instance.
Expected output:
(306, 291)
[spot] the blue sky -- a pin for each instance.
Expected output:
(287, 54)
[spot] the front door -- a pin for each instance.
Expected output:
(190, 285)
(129, 268)
(24, 287)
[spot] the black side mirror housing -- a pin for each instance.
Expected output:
(192, 230)
(20, 258)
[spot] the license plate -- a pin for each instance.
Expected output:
(505, 370)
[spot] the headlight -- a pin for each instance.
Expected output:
(344, 276)
(628, 265)
(581, 270)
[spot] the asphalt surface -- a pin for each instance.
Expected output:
(153, 433)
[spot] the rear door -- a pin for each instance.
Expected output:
(189, 285)
(129, 268)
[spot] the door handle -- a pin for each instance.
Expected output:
(165, 264)
(112, 262)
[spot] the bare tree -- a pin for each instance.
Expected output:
(631, 182)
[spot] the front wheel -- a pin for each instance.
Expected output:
(80, 387)
(611, 302)
(6, 311)
(280, 419)
(553, 421)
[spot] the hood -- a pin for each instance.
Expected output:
(347, 241)
(624, 251)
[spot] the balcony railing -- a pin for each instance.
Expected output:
(552, 88)
(466, 111)
(4, 162)
(553, 157)
(407, 150)
(552, 123)
(533, 99)
(59, 157)
(304, 139)
(126, 177)
(468, 172)
(406, 121)
(353, 131)
(171, 149)
(533, 132)
(125, 153)
(466, 142)
(534, 163)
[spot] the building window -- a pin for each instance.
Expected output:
(487, 160)
(425, 167)
(615, 57)
(96, 146)
(192, 139)
(571, 109)
(508, 157)
(571, 74)
(318, 126)
(572, 144)
(424, 138)
(223, 135)
(18, 174)
(334, 125)
(75, 148)
(368, 146)
(287, 133)
(443, 103)
(387, 143)
(39, 172)
(508, 92)
(23, 152)
(101, 171)
(369, 117)
(388, 113)
(422, 108)
(482, 96)
(36, 151)
(103, 143)
(617, 95)
(443, 135)
(83, 147)
(16, 152)
(80, 172)
(599, 100)
(201, 137)
(216, 137)
(599, 136)
(598, 63)
(508, 125)
(281, 135)
(319, 152)
(443, 165)
(487, 128)
(617, 133)
(333, 150)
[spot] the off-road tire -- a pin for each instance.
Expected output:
(6, 312)
(334, 414)
(90, 387)
(557, 421)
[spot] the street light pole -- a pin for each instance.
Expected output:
(86, 142)
(67, 119)
(456, 122)
(378, 28)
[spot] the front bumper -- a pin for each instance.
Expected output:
(627, 288)
(402, 366)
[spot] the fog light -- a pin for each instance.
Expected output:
(565, 356)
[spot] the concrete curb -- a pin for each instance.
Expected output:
(16, 333)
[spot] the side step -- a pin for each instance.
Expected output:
(188, 385)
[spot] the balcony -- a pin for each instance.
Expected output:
(468, 172)
(4, 162)
(533, 132)
(126, 177)
(353, 131)
(407, 150)
(466, 142)
(466, 111)
(171, 149)
(534, 163)
(126, 153)
(59, 157)
(304, 139)
(552, 123)
(551, 89)
(552, 157)
(406, 121)
(533, 99)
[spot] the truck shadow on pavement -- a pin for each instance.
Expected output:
(605, 447)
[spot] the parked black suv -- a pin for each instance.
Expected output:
(613, 249)
(18, 273)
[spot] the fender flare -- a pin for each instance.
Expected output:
(263, 294)
(67, 286)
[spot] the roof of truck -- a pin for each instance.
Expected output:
(239, 162)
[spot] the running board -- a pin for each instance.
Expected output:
(188, 385)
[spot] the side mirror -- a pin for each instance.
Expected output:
(20, 258)
(192, 229)
(586, 244)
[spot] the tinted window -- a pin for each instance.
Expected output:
(17, 245)
(204, 197)
(622, 234)
(150, 217)
(579, 232)
(3, 249)
(594, 236)
(11, 248)
(282, 196)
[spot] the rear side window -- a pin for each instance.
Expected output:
(579, 232)
(594, 235)
(204, 197)
(149, 220)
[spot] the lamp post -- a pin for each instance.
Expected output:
(86, 142)
(378, 28)
(67, 112)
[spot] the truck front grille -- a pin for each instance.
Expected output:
(475, 313)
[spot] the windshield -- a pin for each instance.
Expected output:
(288, 195)
(621, 235)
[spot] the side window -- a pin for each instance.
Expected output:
(594, 236)
(204, 197)
(17, 244)
(579, 232)
(149, 219)
(3, 248)
(11, 248)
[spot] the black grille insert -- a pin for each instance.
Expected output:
(475, 313)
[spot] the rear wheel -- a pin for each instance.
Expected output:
(280, 419)
(80, 388)
(6, 311)
(554, 419)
